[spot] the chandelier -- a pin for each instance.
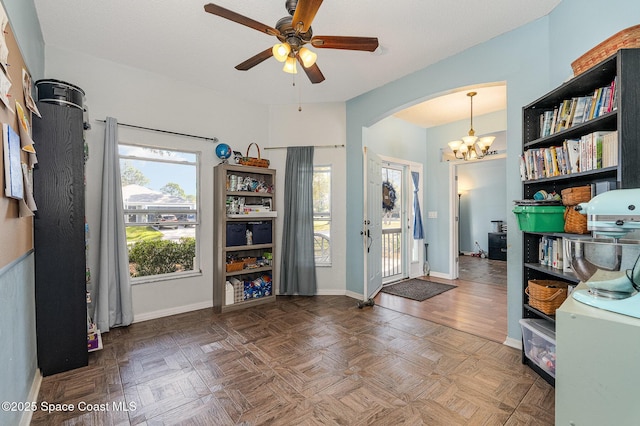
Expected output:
(471, 147)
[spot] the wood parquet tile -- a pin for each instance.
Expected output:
(299, 361)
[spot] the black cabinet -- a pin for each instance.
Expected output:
(620, 71)
(59, 239)
(497, 245)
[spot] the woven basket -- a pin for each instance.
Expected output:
(627, 38)
(546, 295)
(574, 221)
(254, 161)
(235, 266)
(576, 195)
(249, 261)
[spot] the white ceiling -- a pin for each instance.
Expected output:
(178, 39)
(456, 106)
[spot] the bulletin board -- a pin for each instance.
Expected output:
(16, 230)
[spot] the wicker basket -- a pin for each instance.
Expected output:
(627, 38)
(254, 161)
(235, 266)
(574, 221)
(249, 261)
(546, 295)
(576, 195)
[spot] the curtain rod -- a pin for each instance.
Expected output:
(315, 146)
(214, 139)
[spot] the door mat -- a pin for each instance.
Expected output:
(416, 289)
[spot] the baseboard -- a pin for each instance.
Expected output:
(172, 311)
(514, 343)
(25, 420)
(353, 295)
(331, 292)
(440, 275)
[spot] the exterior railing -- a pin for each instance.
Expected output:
(391, 252)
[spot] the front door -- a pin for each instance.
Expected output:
(372, 223)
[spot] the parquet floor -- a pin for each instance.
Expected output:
(299, 361)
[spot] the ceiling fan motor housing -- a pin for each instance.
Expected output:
(290, 5)
(290, 35)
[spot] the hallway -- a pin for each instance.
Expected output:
(477, 306)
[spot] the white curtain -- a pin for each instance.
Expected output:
(113, 307)
(298, 267)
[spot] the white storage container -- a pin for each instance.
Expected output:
(229, 294)
(539, 338)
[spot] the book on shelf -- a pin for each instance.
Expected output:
(593, 151)
(578, 110)
(581, 107)
(610, 149)
(551, 252)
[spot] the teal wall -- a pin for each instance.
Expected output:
(26, 28)
(18, 356)
(532, 60)
(396, 138)
(482, 200)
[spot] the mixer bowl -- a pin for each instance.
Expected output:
(606, 265)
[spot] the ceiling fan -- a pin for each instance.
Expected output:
(293, 33)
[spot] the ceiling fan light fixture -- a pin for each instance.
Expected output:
(281, 51)
(290, 65)
(307, 57)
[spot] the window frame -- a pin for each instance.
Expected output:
(196, 224)
(329, 171)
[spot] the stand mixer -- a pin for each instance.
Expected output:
(608, 264)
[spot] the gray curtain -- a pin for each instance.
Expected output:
(113, 305)
(298, 266)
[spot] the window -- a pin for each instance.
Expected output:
(322, 214)
(159, 193)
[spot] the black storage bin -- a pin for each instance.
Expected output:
(261, 232)
(236, 234)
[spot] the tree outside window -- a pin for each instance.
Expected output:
(159, 191)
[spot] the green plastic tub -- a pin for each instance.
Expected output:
(540, 218)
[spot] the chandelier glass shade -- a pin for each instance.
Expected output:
(471, 147)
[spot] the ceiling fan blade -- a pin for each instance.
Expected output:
(255, 60)
(313, 72)
(305, 12)
(240, 19)
(344, 42)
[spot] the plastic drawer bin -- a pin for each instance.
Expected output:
(539, 338)
(540, 218)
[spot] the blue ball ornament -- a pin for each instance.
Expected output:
(223, 151)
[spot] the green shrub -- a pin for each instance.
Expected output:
(157, 257)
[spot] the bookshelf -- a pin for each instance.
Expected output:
(245, 243)
(540, 138)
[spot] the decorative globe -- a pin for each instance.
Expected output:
(223, 151)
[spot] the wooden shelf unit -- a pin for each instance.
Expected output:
(222, 218)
